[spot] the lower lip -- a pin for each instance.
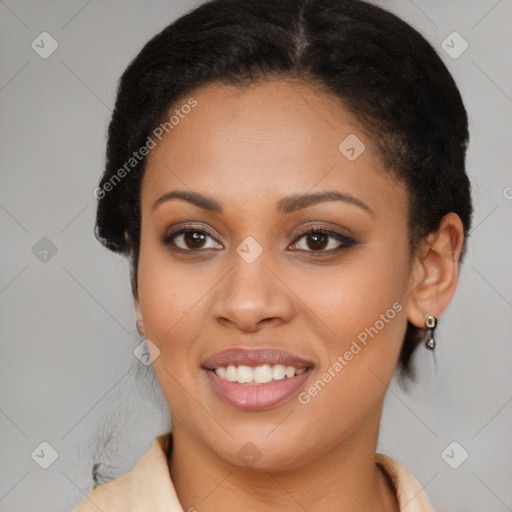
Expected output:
(255, 397)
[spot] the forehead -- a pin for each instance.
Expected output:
(249, 146)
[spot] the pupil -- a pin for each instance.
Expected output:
(316, 238)
(194, 238)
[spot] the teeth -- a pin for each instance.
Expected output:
(289, 371)
(278, 371)
(257, 375)
(262, 374)
(231, 373)
(245, 374)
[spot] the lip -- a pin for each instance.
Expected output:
(256, 397)
(254, 357)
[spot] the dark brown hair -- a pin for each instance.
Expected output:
(383, 70)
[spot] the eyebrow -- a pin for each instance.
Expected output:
(286, 205)
(299, 201)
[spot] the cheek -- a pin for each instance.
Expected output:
(366, 291)
(173, 317)
(170, 299)
(363, 307)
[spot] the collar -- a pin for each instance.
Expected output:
(148, 486)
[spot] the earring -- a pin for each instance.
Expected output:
(140, 327)
(431, 323)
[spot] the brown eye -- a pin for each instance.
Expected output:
(194, 239)
(322, 242)
(317, 240)
(187, 239)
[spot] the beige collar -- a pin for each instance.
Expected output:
(148, 486)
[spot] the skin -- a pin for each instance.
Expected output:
(248, 148)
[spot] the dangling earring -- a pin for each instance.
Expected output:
(430, 323)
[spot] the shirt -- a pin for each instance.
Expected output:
(148, 486)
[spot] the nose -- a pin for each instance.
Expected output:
(253, 295)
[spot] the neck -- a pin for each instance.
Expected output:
(344, 477)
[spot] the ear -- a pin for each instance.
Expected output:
(139, 322)
(436, 270)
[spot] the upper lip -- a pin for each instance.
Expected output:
(253, 356)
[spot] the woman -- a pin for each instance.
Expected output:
(288, 181)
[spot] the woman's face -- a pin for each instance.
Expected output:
(246, 277)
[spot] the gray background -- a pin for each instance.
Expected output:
(68, 373)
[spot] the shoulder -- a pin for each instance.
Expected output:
(147, 486)
(114, 495)
(410, 493)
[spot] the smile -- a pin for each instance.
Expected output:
(256, 378)
(257, 375)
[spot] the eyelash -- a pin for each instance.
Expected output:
(346, 242)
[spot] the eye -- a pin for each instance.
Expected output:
(188, 239)
(317, 239)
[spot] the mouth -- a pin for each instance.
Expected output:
(256, 379)
(257, 375)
